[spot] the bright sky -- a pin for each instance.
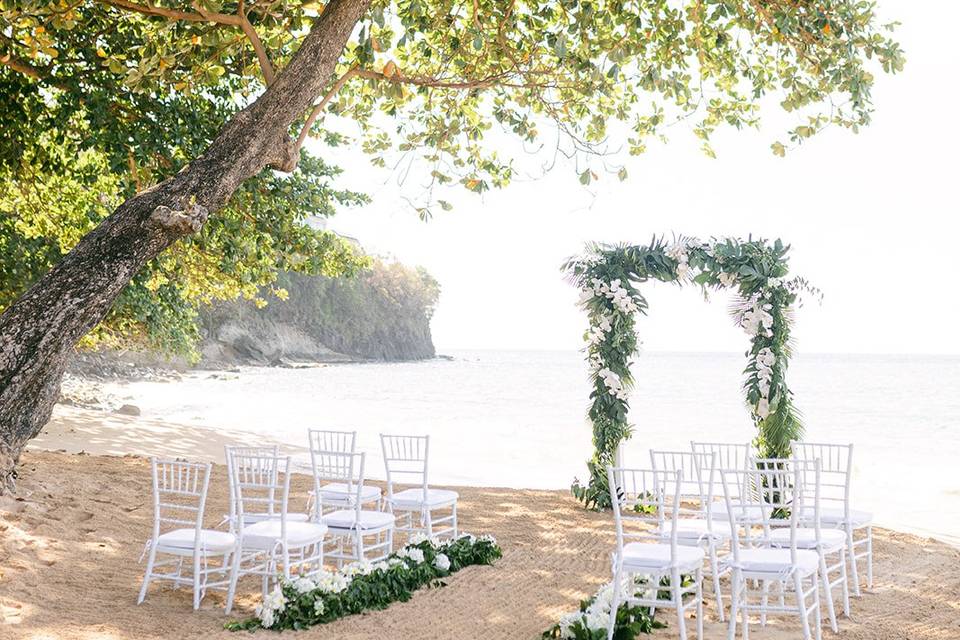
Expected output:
(872, 219)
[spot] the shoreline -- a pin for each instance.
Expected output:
(74, 429)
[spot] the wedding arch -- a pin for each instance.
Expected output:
(756, 270)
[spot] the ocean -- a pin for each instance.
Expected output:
(517, 418)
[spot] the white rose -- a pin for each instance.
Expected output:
(442, 562)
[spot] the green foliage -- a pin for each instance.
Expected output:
(383, 312)
(364, 587)
(100, 99)
(61, 174)
(755, 269)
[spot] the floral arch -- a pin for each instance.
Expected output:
(756, 270)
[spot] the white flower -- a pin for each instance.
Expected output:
(303, 585)
(411, 553)
(682, 270)
(728, 279)
(417, 538)
(442, 562)
(763, 408)
(319, 607)
(266, 617)
(488, 538)
(275, 600)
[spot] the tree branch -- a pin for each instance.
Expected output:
(201, 15)
(320, 106)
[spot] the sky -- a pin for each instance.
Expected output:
(871, 217)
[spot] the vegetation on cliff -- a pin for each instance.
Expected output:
(382, 313)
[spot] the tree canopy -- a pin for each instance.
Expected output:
(101, 99)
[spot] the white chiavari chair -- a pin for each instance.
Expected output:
(645, 510)
(696, 526)
(352, 524)
(337, 495)
(786, 565)
(830, 544)
(179, 499)
(245, 452)
(406, 457)
(269, 540)
(836, 471)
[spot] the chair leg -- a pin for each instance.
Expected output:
(197, 593)
(818, 621)
(764, 602)
(146, 576)
(827, 592)
(234, 574)
(428, 521)
(715, 571)
(845, 588)
(615, 602)
(699, 578)
(870, 557)
(854, 575)
(456, 531)
(734, 604)
(677, 592)
(802, 604)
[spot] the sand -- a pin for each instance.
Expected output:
(70, 540)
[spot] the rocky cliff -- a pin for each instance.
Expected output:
(383, 314)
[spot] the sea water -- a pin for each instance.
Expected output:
(518, 418)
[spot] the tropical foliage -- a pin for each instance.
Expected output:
(100, 99)
(755, 270)
(300, 603)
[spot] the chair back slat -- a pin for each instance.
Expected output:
(341, 467)
(332, 441)
(405, 459)
(261, 487)
(730, 455)
(836, 465)
(768, 494)
(179, 493)
(644, 501)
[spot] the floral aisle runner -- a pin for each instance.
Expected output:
(299, 603)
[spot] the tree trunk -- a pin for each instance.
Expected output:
(38, 332)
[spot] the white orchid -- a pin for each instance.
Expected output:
(763, 408)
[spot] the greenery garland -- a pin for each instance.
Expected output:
(590, 621)
(300, 603)
(756, 270)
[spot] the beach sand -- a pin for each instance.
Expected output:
(71, 537)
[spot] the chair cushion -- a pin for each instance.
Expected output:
(744, 513)
(830, 539)
(259, 517)
(210, 540)
(413, 500)
(268, 532)
(651, 555)
(835, 516)
(698, 529)
(777, 561)
(341, 492)
(369, 520)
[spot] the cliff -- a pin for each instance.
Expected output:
(383, 314)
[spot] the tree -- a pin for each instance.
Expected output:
(423, 78)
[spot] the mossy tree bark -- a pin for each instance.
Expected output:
(39, 331)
